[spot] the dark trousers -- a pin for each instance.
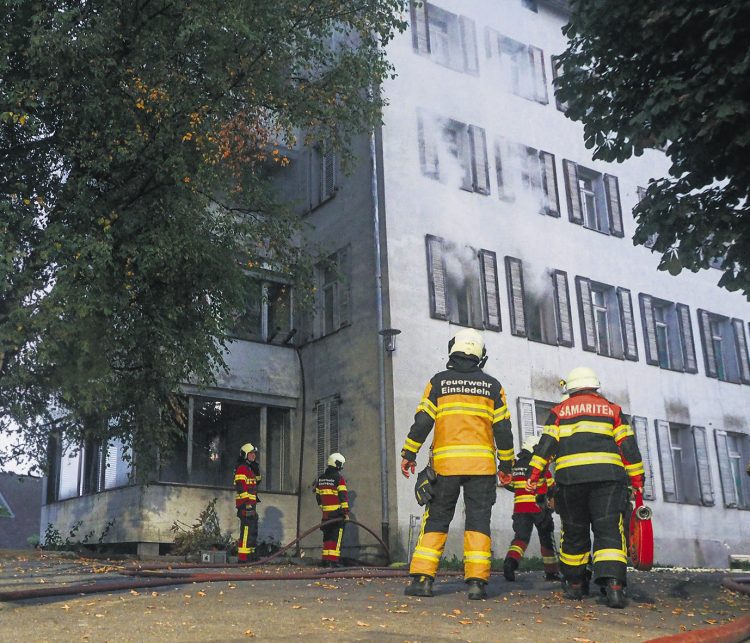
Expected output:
(597, 507)
(333, 534)
(248, 536)
(479, 496)
(523, 525)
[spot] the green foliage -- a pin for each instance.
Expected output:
(53, 540)
(138, 141)
(204, 535)
(672, 76)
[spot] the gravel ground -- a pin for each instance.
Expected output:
(354, 609)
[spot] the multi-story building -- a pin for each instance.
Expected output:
(475, 204)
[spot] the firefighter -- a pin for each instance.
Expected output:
(472, 428)
(531, 511)
(593, 444)
(246, 479)
(333, 500)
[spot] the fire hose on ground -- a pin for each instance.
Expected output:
(163, 574)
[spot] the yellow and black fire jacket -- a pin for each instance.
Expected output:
(471, 419)
(590, 439)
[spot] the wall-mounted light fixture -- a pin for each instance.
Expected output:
(389, 338)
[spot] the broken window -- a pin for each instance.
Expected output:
(606, 315)
(593, 199)
(519, 66)
(453, 152)
(527, 176)
(446, 38)
(539, 303)
(733, 453)
(683, 455)
(463, 284)
(725, 348)
(668, 334)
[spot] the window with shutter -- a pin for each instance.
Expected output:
(724, 347)
(428, 151)
(514, 276)
(458, 286)
(446, 38)
(563, 313)
(504, 164)
(575, 208)
(333, 306)
(519, 66)
(665, 460)
(704, 469)
(538, 74)
(327, 173)
(586, 314)
(640, 428)
(561, 106)
(630, 348)
(491, 292)
(327, 412)
(641, 194)
(649, 329)
(741, 348)
(527, 419)
(612, 191)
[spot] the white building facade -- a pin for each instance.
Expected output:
(476, 204)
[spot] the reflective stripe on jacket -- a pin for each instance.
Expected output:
(331, 492)
(245, 486)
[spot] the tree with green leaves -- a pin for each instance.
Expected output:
(673, 76)
(136, 143)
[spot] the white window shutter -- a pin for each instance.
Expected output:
(504, 169)
(527, 418)
(480, 169)
(704, 469)
(704, 323)
(665, 459)
(740, 343)
(327, 173)
(555, 74)
(628, 324)
(586, 313)
(549, 184)
(725, 469)
(420, 28)
(575, 211)
(333, 425)
(649, 329)
(640, 428)
(612, 190)
(436, 270)
(563, 313)
(514, 276)
(428, 154)
(469, 44)
(540, 77)
(490, 290)
(690, 361)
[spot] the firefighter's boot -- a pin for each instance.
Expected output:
(420, 586)
(573, 590)
(509, 569)
(477, 590)
(615, 593)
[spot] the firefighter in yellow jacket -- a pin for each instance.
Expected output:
(472, 429)
(594, 446)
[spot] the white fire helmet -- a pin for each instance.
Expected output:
(469, 342)
(581, 377)
(246, 449)
(336, 460)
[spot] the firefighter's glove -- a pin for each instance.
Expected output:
(532, 482)
(408, 463)
(637, 483)
(504, 478)
(423, 489)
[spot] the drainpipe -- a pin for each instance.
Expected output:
(385, 526)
